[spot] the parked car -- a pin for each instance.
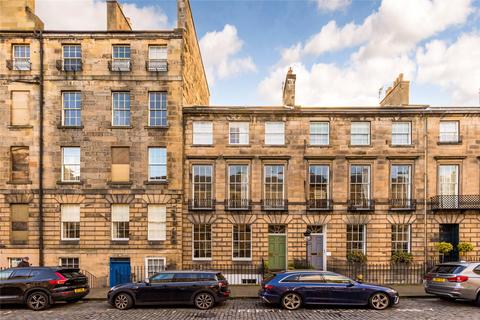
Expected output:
(454, 280)
(201, 288)
(39, 287)
(293, 289)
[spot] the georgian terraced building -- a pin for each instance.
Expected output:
(376, 180)
(91, 152)
(111, 157)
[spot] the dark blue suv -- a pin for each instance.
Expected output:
(292, 289)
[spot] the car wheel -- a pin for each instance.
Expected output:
(123, 301)
(204, 301)
(478, 300)
(379, 301)
(38, 301)
(291, 301)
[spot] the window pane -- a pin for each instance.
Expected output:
(121, 109)
(202, 132)
(239, 133)
(157, 52)
(401, 133)
(158, 108)
(157, 222)
(400, 238)
(355, 238)
(319, 133)
(360, 185)
(274, 186)
(360, 133)
(202, 245)
(319, 188)
(275, 133)
(72, 107)
(157, 163)
(71, 164)
(241, 241)
(449, 131)
(20, 163)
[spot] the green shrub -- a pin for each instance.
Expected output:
(443, 247)
(464, 247)
(401, 257)
(356, 256)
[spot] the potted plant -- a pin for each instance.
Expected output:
(443, 248)
(356, 257)
(401, 257)
(464, 247)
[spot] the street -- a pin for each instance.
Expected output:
(430, 308)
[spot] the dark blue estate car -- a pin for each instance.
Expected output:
(294, 288)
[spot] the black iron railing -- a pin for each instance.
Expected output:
(274, 204)
(402, 204)
(123, 65)
(319, 204)
(361, 205)
(237, 204)
(455, 202)
(449, 139)
(201, 204)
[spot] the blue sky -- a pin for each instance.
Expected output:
(343, 51)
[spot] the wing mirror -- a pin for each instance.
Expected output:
(351, 284)
(147, 281)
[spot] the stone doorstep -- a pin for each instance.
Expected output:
(251, 291)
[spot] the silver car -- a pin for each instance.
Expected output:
(454, 280)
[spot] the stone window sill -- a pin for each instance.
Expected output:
(318, 145)
(69, 127)
(359, 145)
(449, 143)
(162, 182)
(232, 145)
(402, 146)
(119, 242)
(203, 145)
(70, 242)
(69, 182)
(19, 182)
(120, 127)
(157, 127)
(19, 127)
(274, 145)
(120, 184)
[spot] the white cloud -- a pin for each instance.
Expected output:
(219, 50)
(92, 15)
(384, 45)
(332, 5)
(454, 67)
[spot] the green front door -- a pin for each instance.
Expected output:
(277, 252)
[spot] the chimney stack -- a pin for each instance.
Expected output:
(19, 15)
(398, 95)
(116, 20)
(289, 89)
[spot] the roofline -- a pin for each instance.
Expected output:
(411, 109)
(92, 31)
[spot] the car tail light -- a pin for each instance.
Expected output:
(61, 279)
(458, 279)
(222, 284)
(268, 287)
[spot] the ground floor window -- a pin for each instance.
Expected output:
(13, 262)
(69, 262)
(202, 241)
(242, 242)
(154, 265)
(400, 237)
(356, 238)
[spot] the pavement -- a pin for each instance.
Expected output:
(251, 291)
(249, 309)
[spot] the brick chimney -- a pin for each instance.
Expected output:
(116, 20)
(397, 95)
(19, 15)
(289, 89)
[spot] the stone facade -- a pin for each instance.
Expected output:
(95, 192)
(424, 155)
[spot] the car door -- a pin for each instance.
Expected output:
(18, 282)
(312, 288)
(6, 293)
(159, 290)
(342, 290)
(186, 284)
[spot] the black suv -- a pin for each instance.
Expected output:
(200, 288)
(39, 287)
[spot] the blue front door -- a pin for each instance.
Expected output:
(119, 271)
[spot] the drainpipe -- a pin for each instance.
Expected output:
(425, 190)
(41, 260)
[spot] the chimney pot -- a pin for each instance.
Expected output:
(289, 89)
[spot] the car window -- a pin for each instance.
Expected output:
(448, 268)
(205, 277)
(334, 278)
(310, 277)
(186, 277)
(4, 274)
(477, 270)
(21, 274)
(162, 277)
(70, 274)
(292, 278)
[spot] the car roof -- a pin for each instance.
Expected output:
(188, 271)
(304, 271)
(461, 263)
(41, 268)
